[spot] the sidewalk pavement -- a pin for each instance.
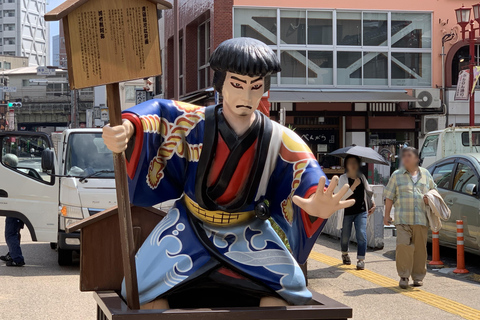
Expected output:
(374, 293)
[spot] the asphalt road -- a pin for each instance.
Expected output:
(44, 290)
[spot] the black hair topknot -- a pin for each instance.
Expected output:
(245, 56)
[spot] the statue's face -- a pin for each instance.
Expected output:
(242, 94)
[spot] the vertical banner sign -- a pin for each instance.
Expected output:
(476, 75)
(114, 41)
(463, 87)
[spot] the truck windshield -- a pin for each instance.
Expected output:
(87, 155)
(429, 148)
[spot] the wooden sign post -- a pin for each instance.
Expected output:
(108, 42)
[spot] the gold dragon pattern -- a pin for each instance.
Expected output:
(174, 139)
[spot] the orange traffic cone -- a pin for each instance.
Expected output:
(435, 251)
(460, 249)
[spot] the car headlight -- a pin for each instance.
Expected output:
(71, 212)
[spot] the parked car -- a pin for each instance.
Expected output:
(458, 178)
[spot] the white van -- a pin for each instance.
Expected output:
(453, 140)
(48, 192)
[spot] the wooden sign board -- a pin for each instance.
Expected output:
(112, 41)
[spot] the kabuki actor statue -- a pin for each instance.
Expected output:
(231, 168)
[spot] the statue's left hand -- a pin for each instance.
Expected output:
(324, 203)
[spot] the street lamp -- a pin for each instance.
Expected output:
(463, 19)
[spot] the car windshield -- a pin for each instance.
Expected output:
(87, 155)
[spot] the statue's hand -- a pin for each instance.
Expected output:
(323, 204)
(116, 138)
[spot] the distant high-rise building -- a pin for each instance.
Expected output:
(56, 50)
(24, 30)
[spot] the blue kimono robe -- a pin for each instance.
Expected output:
(171, 154)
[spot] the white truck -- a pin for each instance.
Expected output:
(48, 192)
(453, 140)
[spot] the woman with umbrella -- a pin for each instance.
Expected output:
(361, 192)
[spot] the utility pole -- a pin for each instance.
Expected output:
(74, 109)
(176, 53)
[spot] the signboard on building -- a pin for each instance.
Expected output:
(463, 87)
(142, 96)
(45, 71)
(8, 89)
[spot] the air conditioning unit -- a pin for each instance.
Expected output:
(428, 98)
(433, 122)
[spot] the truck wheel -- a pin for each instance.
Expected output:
(53, 245)
(64, 257)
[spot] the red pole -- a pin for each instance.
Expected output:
(435, 251)
(471, 44)
(460, 249)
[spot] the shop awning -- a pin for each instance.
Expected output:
(339, 96)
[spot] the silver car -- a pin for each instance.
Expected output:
(458, 179)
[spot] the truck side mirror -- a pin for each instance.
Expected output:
(48, 160)
(471, 189)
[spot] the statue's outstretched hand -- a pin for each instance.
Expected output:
(323, 204)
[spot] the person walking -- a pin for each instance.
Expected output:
(407, 191)
(14, 257)
(357, 214)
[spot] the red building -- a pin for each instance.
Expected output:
(349, 75)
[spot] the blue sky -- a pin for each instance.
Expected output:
(53, 25)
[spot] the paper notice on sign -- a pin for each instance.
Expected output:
(113, 41)
(463, 88)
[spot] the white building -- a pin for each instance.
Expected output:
(56, 51)
(24, 30)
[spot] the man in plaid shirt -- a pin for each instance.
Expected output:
(406, 190)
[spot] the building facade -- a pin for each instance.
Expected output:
(24, 31)
(56, 51)
(46, 101)
(364, 72)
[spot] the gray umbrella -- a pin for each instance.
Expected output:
(366, 154)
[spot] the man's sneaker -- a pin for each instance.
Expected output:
(417, 283)
(6, 257)
(403, 283)
(12, 263)
(346, 259)
(360, 264)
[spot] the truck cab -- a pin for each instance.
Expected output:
(453, 140)
(76, 183)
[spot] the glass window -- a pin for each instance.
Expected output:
(375, 29)
(87, 154)
(320, 67)
(349, 28)
(256, 23)
(464, 176)
(375, 68)
(362, 54)
(24, 155)
(411, 69)
(293, 27)
(429, 148)
(294, 69)
(349, 68)
(475, 140)
(442, 174)
(203, 55)
(320, 27)
(411, 30)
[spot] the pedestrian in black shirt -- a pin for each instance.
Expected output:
(357, 214)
